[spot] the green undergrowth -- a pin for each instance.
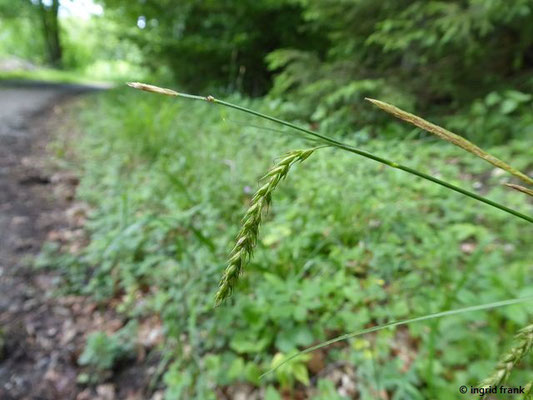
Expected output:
(347, 244)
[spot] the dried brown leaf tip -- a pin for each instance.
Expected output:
(247, 237)
(151, 88)
(520, 188)
(449, 137)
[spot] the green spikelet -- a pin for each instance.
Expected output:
(247, 237)
(524, 343)
(528, 391)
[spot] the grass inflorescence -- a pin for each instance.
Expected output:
(450, 137)
(247, 237)
(524, 340)
(528, 391)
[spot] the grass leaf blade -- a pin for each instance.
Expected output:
(405, 322)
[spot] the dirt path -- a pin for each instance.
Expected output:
(23, 113)
(39, 340)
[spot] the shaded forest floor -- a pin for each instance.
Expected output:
(42, 333)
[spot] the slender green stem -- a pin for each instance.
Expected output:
(334, 143)
(393, 324)
(366, 154)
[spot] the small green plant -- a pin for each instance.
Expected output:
(290, 371)
(102, 351)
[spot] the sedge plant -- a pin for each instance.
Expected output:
(247, 237)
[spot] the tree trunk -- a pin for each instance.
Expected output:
(50, 22)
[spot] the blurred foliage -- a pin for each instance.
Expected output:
(96, 48)
(220, 44)
(465, 64)
(93, 48)
(18, 36)
(440, 59)
(347, 245)
(103, 351)
(38, 22)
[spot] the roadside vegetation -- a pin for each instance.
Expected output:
(347, 244)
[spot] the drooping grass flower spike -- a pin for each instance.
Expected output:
(450, 137)
(247, 237)
(524, 343)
